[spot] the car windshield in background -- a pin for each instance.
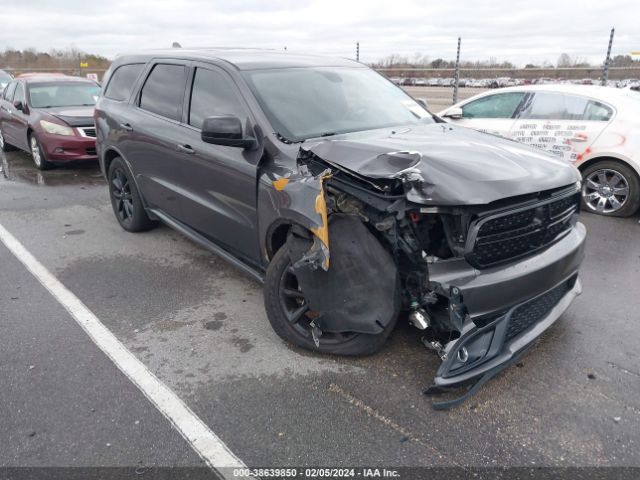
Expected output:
(305, 103)
(47, 95)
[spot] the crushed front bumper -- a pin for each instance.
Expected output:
(508, 307)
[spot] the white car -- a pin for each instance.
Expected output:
(595, 128)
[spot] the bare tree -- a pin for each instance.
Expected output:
(564, 60)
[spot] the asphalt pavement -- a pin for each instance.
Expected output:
(199, 326)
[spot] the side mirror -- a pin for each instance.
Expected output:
(226, 130)
(423, 103)
(19, 105)
(454, 113)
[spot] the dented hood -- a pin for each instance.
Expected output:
(442, 164)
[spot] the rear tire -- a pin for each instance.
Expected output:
(299, 332)
(610, 188)
(37, 154)
(125, 199)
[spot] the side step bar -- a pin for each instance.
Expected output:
(201, 240)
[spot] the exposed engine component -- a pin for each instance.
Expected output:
(419, 319)
(386, 219)
(436, 346)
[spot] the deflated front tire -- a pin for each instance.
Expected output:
(291, 318)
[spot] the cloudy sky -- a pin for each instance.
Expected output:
(518, 31)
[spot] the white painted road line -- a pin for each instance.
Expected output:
(206, 443)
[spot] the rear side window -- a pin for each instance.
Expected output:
(212, 95)
(555, 106)
(122, 81)
(163, 92)
(8, 92)
(501, 105)
(598, 112)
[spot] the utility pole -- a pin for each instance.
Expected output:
(605, 73)
(456, 77)
(357, 51)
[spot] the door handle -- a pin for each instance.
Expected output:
(186, 149)
(126, 126)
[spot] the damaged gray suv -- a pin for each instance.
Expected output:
(350, 201)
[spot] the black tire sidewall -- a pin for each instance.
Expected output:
(633, 201)
(360, 344)
(140, 221)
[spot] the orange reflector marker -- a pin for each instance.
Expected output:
(280, 183)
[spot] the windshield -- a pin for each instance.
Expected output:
(60, 94)
(304, 103)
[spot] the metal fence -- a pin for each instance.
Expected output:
(569, 73)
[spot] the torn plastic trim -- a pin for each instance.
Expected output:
(507, 354)
(301, 198)
(360, 292)
(322, 232)
(471, 388)
(498, 346)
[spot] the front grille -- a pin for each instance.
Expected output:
(531, 312)
(87, 131)
(91, 151)
(510, 235)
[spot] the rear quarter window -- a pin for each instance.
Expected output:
(563, 106)
(554, 106)
(597, 111)
(122, 81)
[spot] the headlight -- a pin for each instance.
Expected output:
(56, 128)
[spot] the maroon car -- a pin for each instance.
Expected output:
(50, 117)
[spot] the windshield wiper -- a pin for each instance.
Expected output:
(328, 134)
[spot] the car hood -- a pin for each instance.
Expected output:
(446, 165)
(74, 116)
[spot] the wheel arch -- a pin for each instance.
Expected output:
(609, 158)
(109, 155)
(277, 235)
(107, 159)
